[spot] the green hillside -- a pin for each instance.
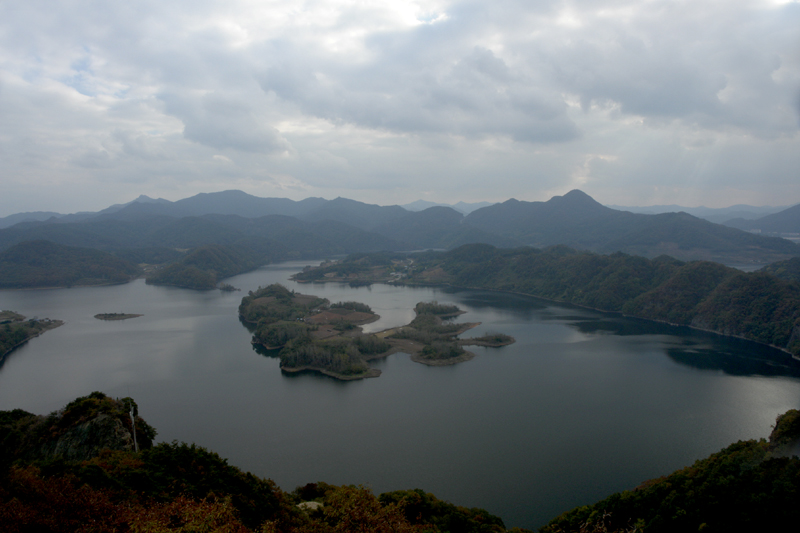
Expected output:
(46, 264)
(748, 486)
(702, 294)
(204, 267)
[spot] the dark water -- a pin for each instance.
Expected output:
(582, 405)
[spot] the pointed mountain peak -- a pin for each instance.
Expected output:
(577, 199)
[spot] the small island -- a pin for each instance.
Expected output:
(115, 316)
(16, 331)
(312, 334)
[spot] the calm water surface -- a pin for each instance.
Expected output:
(584, 404)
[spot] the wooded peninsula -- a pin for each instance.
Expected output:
(313, 334)
(15, 330)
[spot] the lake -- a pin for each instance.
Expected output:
(583, 405)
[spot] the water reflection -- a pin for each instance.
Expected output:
(750, 361)
(686, 346)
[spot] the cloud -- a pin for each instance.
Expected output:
(407, 88)
(466, 99)
(221, 123)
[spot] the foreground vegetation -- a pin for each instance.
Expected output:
(180, 487)
(57, 475)
(748, 486)
(757, 306)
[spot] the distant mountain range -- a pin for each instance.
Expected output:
(279, 228)
(462, 207)
(718, 215)
(766, 219)
(786, 221)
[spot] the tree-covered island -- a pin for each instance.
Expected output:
(313, 334)
(116, 316)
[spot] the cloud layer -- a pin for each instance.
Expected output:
(636, 102)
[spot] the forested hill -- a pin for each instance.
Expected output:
(79, 466)
(748, 486)
(578, 221)
(703, 294)
(204, 267)
(788, 270)
(77, 469)
(46, 264)
(316, 228)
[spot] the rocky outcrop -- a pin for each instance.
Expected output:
(86, 440)
(78, 432)
(785, 437)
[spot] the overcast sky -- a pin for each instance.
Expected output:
(635, 102)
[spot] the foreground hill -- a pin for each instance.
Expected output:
(748, 486)
(79, 466)
(46, 264)
(702, 294)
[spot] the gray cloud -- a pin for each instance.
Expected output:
(457, 99)
(476, 95)
(224, 123)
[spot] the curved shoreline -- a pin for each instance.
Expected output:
(369, 373)
(620, 313)
(53, 324)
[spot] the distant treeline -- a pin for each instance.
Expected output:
(757, 306)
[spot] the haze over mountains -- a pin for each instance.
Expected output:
(718, 215)
(279, 228)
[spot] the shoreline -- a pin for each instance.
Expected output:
(619, 313)
(345, 323)
(369, 373)
(78, 286)
(53, 324)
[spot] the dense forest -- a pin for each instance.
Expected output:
(703, 294)
(281, 319)
(202, 268)
(46, 264)
(788, 270)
